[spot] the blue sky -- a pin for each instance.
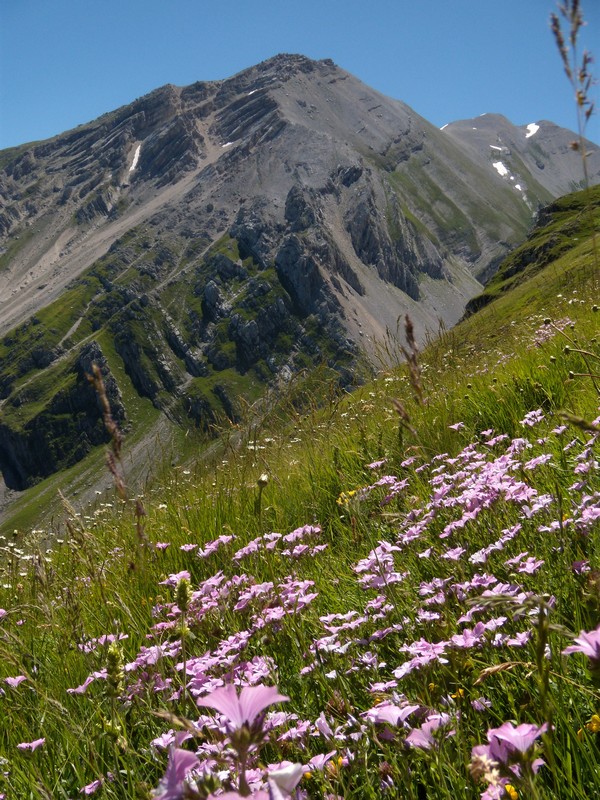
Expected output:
(65, 62)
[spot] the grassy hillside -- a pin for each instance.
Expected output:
(559, 227)
(406, 564)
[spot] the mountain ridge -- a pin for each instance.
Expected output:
(213, 239)
(131, 124)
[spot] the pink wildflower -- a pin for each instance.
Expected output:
(91, 788)
(588, 643)
(31, 745)
(284, 780)
(14, 682)
(172, 785)
(174, 579)
(244, 708)
(530, 566)
(580, 567)
(509, 741)
(532, 418)
(423, 737)
(390, 713)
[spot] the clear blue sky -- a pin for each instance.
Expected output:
(65, 62)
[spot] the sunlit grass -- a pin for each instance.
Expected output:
(396, 525)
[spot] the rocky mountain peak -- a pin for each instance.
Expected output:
(282, 67)
(219, 237)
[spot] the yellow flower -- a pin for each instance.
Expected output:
(593, 725)
(335, 765)
(511, 791)
(345, 497)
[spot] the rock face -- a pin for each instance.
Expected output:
(221, 236)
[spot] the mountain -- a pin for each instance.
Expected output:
(205, 242)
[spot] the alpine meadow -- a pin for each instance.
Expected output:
(299, 427)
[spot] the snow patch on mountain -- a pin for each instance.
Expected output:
(532, 129)
(136, 158)
(503, 171)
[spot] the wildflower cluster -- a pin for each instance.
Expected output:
(440, 619)
(417, 649)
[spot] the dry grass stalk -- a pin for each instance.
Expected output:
(411, 354)
(113, 456)
(504, 667)
(404, 416)
(581, 80)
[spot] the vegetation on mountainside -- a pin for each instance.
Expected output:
(407, 564)
(199, 357)
(560, 226)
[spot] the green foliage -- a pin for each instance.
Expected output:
(314, 445)
(564, 228)
(444, 213)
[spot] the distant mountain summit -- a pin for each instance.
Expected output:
(535, 157)
(208, 240)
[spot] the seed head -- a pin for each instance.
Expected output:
(183, 595)
(114, 669)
